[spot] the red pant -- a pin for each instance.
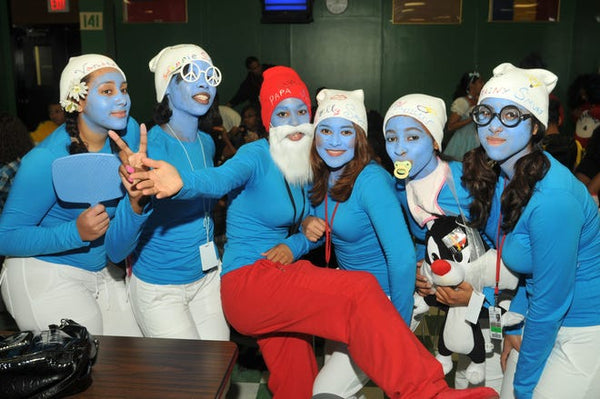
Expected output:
(284, 305)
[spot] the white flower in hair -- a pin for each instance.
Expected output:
(78, 90)
(68, 105)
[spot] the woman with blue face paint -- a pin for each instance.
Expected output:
(57, 251)
(175, 282)
(547, 229)
(357, 211)
(266, 293)
(429, 189)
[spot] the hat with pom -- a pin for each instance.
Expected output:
(529, 88)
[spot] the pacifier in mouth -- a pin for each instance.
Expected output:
(402, 169)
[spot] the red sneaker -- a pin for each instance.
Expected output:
(469, 393)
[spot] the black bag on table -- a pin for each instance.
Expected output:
(51, 364)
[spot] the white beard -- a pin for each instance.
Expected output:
(292, 157)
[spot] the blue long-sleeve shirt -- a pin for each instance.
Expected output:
(369, 234)
(555, 244)
(35, 223)
(260, 211)
(167, 250)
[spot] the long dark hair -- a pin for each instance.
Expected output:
(363, 154)
(77, 146)
(15, 140)
(480, 175)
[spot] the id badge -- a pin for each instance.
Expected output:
(208, 256)
(495, 322)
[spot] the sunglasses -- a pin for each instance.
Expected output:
(191, 72)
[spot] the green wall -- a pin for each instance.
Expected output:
(8, 98)
(358, 49)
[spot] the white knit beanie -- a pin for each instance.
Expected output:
(76, 69)
(170, 60)
(349, 105)
(430, 111)
(529, 88)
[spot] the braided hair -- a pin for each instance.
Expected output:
(480, 174)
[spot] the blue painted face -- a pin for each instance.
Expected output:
(107, 103)
(291, 111)
(335, 141)
(501, 142)
(407, 140)
(191, 98)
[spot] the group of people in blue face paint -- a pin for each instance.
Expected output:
(308, 185)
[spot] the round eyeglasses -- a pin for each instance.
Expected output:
(191, 72)
(509, 116)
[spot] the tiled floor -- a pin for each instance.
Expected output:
(250, 376)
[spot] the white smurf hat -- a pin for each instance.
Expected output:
(343, 104)
(429, 110)
(529, 88)
(76, 69)
(170, 60)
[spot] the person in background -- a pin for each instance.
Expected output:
(561, 146)
(174, 285)
(460, 125)
(57, 118)
(229, 116)
(590, 163)
(251, 128)
(266, 293)
(250, 86)
(357, 211)
(56, 265)
(15, 142)
(547, 229)
(594, 188)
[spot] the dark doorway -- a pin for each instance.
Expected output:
(39, 55)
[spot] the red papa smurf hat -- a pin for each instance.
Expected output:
(280, 82)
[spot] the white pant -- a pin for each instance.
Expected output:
(339, 375)
(493, 370)
(38, 293)
(573, 367)
(188, 311)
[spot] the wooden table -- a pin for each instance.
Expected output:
(161, 368)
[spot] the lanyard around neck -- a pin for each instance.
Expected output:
(328, 228)
(206, 216)
(295, 227)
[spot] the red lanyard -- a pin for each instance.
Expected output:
(328, 228)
